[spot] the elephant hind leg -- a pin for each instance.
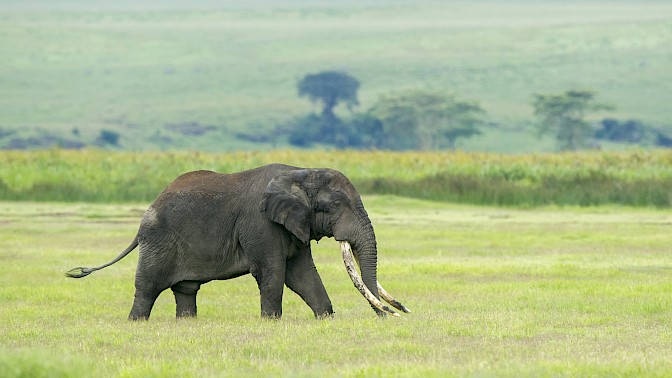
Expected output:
(143, 303)
(270, 280)
(147, 289)
(185, 298)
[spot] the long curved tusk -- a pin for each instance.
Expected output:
(386, 296)
(389, 299)
(346, 251)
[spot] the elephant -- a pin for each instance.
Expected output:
(215, 226)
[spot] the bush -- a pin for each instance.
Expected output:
(630, 131)
(109, 137)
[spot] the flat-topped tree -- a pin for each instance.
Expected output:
(330, 88)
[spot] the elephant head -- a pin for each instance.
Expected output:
(312, 203)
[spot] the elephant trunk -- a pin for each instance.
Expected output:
(365, 253)
(348, 259)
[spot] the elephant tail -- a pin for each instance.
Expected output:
(80, 272)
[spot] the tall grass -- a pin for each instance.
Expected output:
(585, 179)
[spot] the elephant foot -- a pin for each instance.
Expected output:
(185, 314)
(137, 317)
(326, 315)
(271, 315)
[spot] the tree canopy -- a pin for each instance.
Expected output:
(330, 88)
(564, 116)
(426, 120)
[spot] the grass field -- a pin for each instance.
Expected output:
(494, 292)
(138, 68)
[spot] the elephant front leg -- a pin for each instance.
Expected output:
(271, 280)
(303, 279)
(185, 298)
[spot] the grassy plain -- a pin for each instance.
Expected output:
(494, 292)
(137, 67)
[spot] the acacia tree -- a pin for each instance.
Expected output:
(564, 115)
(330, 88)
(426, 120)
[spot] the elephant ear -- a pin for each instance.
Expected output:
(286, 203)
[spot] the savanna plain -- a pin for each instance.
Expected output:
(538, 265)
(494, 292)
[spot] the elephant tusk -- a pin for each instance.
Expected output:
(389, 299)
(385, 295)
(346, 251)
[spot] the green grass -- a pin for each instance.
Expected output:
(636, 178)
(494, 292)
(134, 68)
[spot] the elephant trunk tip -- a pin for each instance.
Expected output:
(78, 272)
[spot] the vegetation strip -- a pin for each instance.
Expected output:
(636, 178)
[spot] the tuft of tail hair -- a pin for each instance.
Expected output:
(78, 272)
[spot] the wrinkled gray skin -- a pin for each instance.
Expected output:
(209, 226)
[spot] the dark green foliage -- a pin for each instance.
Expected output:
(366, 132)
(42, 139)
(315, 128)
(423, 120)
(330, 88)
(630, 131)
(109, 137)
(663, 140)
(361, 131)
(4, 133)
(563, 115)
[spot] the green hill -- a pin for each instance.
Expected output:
(199, 75)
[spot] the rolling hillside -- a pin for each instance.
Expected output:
(200, 75)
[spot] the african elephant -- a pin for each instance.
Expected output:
(210, 226)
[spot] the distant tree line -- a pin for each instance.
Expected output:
(433, 120)
(415, 120)
(564, 116)
(399, 121)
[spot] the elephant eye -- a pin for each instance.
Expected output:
(330, 201)
(339, 199)
(322, 207)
